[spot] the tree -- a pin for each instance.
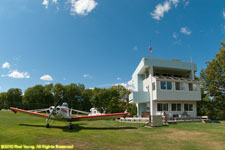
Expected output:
(73, 93)
(38, 96)
(108, 100)
(123, 92)
(3, 100)
(59, 92)
(213, 78)
(14, 97)
(87, 94)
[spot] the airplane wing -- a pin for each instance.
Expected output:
(28, 112)
(98, 117)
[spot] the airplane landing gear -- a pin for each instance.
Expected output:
(70, 126)
(47, 125)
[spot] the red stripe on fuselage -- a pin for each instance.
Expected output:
(64, 110)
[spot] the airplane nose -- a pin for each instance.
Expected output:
(57, 110)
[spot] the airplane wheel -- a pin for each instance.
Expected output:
(70, 126)
(47, 125)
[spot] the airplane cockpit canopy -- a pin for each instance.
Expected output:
(64, 105)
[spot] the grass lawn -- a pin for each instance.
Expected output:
(110, 135)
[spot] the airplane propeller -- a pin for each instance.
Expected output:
(49, 116)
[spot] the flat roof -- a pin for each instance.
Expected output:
(164, 63)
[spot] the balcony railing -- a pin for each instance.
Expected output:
(139, 97)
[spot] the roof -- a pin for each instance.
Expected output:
(164, 63)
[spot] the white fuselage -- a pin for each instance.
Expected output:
(60, 113)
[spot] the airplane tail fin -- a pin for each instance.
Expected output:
(13, 110)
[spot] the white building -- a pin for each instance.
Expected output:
(163, 85)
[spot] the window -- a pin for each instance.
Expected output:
(163, 85)
(195, 87)
(188, 107)
(180, 85)
(176, 107)
(153, 86)
(166, 85)
(162, 106)
(169, 85)
(190, 86)
(148, 107)
(177, 85)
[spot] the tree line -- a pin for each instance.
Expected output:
(110, 100)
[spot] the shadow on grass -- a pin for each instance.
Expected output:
(77, 127)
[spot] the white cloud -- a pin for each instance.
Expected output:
(185, 31)
(175, 2)
(175, 35)
(160, 10)
(118, 78)
(5, 65)
(54, 1)
(224, 14)
(87, 76)
(47, 83)
(18, 75)
(45, 3)
(46, 78)
(82, 7)
(129, 85)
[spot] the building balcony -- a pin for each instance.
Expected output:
(177, 90)
(178, 95)
(139, 97)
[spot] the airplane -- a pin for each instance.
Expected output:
(62, 113)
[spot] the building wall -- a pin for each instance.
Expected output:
(141, 107)
(138, 82)
(171, 113)
(178, 94)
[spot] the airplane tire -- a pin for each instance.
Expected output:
(47, 125)
(70, 126)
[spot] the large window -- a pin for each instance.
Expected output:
(162, 107)
(166, 85)
(176, 107)
(188, 107)
(180, 85)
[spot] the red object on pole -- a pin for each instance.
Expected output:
(150, 49)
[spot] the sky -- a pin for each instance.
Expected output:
(99, 43)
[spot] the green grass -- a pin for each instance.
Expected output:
(22, 129)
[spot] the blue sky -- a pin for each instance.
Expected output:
(100, 42)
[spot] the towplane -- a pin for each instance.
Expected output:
(62, 113)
